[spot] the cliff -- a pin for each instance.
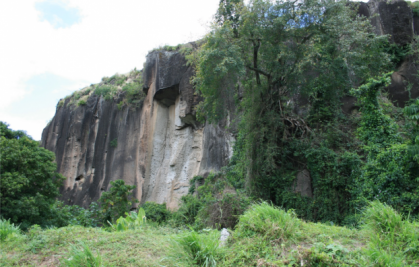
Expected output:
(156, 144)
(151, 138)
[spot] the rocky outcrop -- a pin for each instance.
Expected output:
(157, 146)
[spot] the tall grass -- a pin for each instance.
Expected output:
(82, 256)
(393, 240)
(266, 220)
(8, 230)
(201, 249)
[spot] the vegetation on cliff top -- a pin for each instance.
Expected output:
(127, 89)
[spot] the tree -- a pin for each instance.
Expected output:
(118, 200)
(269, 59)
(29, 179)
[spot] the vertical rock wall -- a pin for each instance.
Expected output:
(159, 145)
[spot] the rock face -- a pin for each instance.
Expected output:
(158, 146)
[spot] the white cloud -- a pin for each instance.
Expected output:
(113, 36)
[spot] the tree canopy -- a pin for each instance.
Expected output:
(283, 68)
(29, 179)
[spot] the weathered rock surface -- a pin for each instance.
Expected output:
(159, 145)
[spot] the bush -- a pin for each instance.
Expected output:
(8, 230)
(81, 255)
(29, 179)
(187, 211)
(134, 92)
(82, 102)
(199, 249)
(132, 221)
(114, 143)
(75, 215)
(269, 221)
(156, 212)
(117, 201)
(105, 90)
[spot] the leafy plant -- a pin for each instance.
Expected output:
(132, 221)
(114, 143)
(81, 255)
(117, 201)
(156, 212)
(8, 230)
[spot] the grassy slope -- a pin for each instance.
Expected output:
(46, 247)
(149, 246)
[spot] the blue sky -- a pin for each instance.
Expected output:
(58, 13)
(51, 48)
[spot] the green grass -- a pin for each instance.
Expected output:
(8, 230)
(81, 255)
(192, 248)
(264, 236)
(268, 221)
(145, 247)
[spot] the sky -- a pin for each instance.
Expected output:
(50, 48)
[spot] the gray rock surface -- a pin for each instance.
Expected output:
(160, 146)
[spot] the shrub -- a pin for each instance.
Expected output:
(187, 211)
(156, 212)
(114, 143)
(8, 230)
(269, 221)
(105, 90)
(200, 249)
(75, 215)
(134, 92)
(117, 201)
(132, 221)
(82, 102)
(60, 103)
(224, 211)
(81, 255)
(29, 179)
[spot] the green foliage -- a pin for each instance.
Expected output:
(134, 94)
(196, 179)
(29, 180)
(82, 102)
(60, 103)
(389, 174)
(114, 143)
(8, 230)
(132, 221)
(117, 201)
(392, 239)
(412, 113)
(216, 204)
(268, 221)
(76, 215)
(396, 52)
(415, 7)
(199, 249)
(248, 65)
(107, 91)
(156, 212)
(81, 255)
(187, 212)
